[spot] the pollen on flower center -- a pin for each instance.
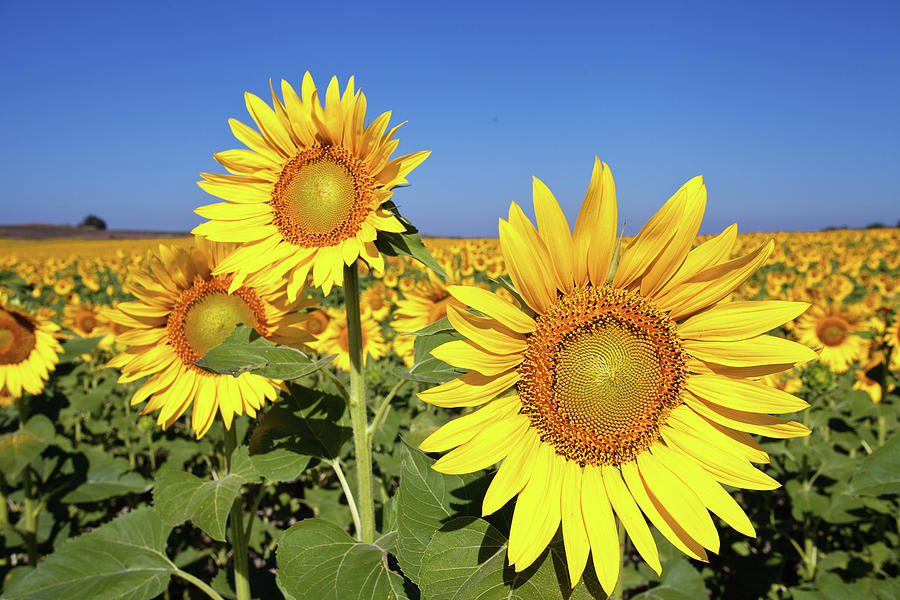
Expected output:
(206, 314)
(322, 197)
(601, 373)
(17, 338)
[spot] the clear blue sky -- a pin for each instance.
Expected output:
(788, 109)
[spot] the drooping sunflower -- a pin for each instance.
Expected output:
(309, 193)
(28, 349)
(831, 326)
(182, 310)
(621, 389)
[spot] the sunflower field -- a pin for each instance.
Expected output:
(306, 399)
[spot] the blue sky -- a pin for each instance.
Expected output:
(788, 109)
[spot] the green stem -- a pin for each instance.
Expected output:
(199, 583)
(357, 403)
(354, 512)
(236, 522)
(342, 389)
(383, 409)
(30, 513)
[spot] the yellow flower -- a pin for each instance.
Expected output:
(619, 389)
(309, 193)
(182, 310)
(28, 349)
(831, 327)
(81, 318)
(421, 306)
(335, 339)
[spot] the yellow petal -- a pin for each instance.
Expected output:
(740, 320)
(575, 538)
(731, 470)
(493, 306)
(738, 443)
(489, 446)
(462, 429)
(705, 487)
(269, 125)
(658, 514)
(466, 355)
(744, 394)
(527, 268)
(760, 350)
(708, 254)
(630, 515)
(530, 505)
(513, 474)
(549, 510)
(487, 333)
(760, 424)
(254, 141)
(230, 211)
(601, 528)
(470, 389)
(554, 231)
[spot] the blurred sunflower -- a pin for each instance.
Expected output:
(28, 349)
(423, 304)
(621, 388)
(335, 338)
(182, 310)
(82, 318)
(309, 193)
(831, 325)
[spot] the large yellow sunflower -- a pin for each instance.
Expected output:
(619, 389)
(28, 350)
(831, 326)
(309, 193)
(182, 310)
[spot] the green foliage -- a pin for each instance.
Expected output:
(407, 243)
(93, 221)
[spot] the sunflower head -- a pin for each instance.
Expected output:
(624, 383)
(311, 191)
(29, 350)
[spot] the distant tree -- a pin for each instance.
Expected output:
(93, 221)
(876, 226)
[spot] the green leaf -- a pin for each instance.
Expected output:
(75, 347)
(425, 500)
(245, 351)
(426, 368)
(107, 476)
(680, 581)
(870, 589)
(879, 473)
(19, 448)
(180, 496)
(407, 243)
(125, 558)
(309, 423)
(466, 559)
(319, 560)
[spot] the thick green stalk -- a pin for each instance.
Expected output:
(358, 416)
(236, 523)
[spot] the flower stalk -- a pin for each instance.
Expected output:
(357, 404)
(236, 522)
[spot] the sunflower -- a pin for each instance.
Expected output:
(335, 339)
(422, 305)
(182, 310)
(831, 326)
(310, 192)
(81, 318)
(623, 387)
(28, 349)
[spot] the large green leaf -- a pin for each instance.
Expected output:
(125, 558)
(107, 476)
(466, 559)
(245, 351)
(308, 423)
(680, 581)
(407, 243)
(180, 496)
(870, 589)
(19, 448)
(426, 368)
(879, 473)
(317, 559)
(427, 499)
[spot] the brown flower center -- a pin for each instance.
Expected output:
(322, 197)
(601, 373)
(206, 314)
(832, 330)
(16, 337)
